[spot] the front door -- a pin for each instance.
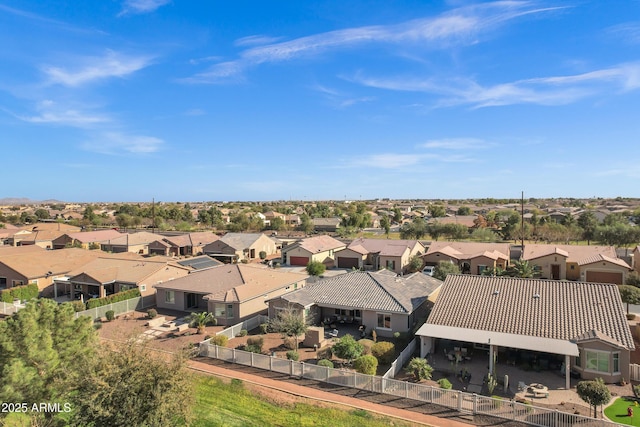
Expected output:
(555, 271)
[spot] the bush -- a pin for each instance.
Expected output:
(293, 355)
(444, 383)
(384, 351)
(366, 345)
(262, 255)
(290, 342)
(97, 325)
(78, 306)
(631, 316)
(264, 328)
(152, 313)
(325, 353)
(366, 364)
(111, 299)
(316, 268)
(220, 340)
(420, 369)
(23, 293)
(325, 362)
(256, 342)
(242, 333)
(110, 315)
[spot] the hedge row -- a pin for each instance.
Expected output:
(23, 293)
(111, 299)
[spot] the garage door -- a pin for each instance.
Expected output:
(298, 260)
(344, 262)
(604, 277)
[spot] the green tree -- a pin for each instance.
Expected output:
(366, 364)
(415, 264)
(464, 211)
(347, 348)
(420, 369)
(595, 393)
(435, 230)
(437, 211)
(199, 320)
(88, 214)
(588, 222)
(127, 385)
(630, 295)
(315, 268)
(397, 215)
(444, 268)
(41, 213)
(496, 272)
(42, 348)
(306, 224)
(290, 322)
(522, 268)
(277, 224)
(633, 279)
(385, 223)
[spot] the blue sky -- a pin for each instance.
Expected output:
(245, 100)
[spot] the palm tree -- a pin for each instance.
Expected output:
(522, 268)
(200, 320)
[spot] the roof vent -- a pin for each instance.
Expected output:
(496, 292)
(536, 296)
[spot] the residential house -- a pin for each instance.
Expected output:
(577, 262)
(317, 248)
(466, 220)
(326, 225)
(234, 247)
(579, 325)
(183, 244)
(471, 257)
(374, 254)
(233, 292)
(636, 259)
(200, 262)
(137, 243)
(85, 239)
(112, 274)
(25, 266)
(379, 301)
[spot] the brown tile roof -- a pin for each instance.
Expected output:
(562, 310)
(52, 226)
(34, 264)
(469, 250)
(379, 245)
(320, 244)
(600, 258)
(112, 269)
(133, 239)
(574, 253)
(95, 236)
(17, 250)
(233, 282)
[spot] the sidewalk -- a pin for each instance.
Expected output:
(314, 393)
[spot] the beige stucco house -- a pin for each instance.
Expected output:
(375, 254)
(471, 257)
(85, 239)
(137, 243)
(233, 292)
(318, 248)
(575, 326)
(234, 247)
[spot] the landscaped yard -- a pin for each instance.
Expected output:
(234, 404)
(617, 411)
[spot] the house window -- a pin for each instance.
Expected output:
(391, 265)
(572, 267)
(229, 311)
(358, 314)
(616, 363)
(3, 282)
(219, 310)
(143, 288)
(481, 268)
(384, 321)
(170, 297)
(597, 361)
(17, 282)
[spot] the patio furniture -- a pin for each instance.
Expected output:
(539, 390)
(333, 333)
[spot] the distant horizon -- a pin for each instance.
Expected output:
(133, 99)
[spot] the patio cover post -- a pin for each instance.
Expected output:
(567, 372)
(490, 358)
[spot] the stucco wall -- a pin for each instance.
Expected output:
(545, 263)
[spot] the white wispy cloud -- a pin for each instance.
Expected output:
(43, 20)
(628, 32)
(49, 112)
(457, 143)
(555, 90)
(137, 7)
(256, 40)
(115, 143)
(459, 26)
(389, 160)
(89, 69)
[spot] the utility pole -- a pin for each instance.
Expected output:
(153, 215)
(522, 222)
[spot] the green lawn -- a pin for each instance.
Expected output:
(617, 412)
(220, 404)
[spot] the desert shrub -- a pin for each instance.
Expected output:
(262, 255)
(290, 342)
(97, 325)
(78, 306)
(325, 362)
(22, 292)
(444, 383)
(293, 355)
(110, 315)
(242, 333)
(111, 299)
(366, 345)
(366, 364)
(152, 313)
(264, 328)
(631, 316)
(384, 351)
(220, 340)
(325, 353)
(256, 343)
